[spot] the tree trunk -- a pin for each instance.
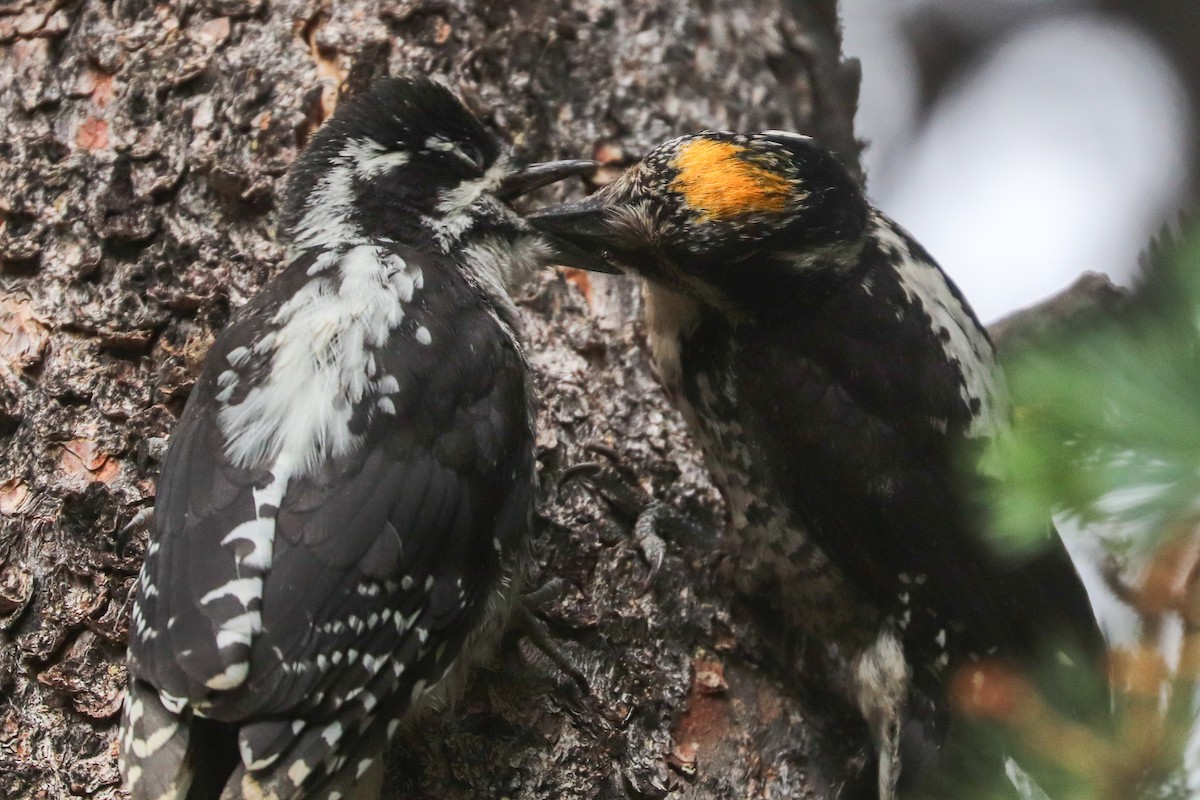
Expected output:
(142, 145)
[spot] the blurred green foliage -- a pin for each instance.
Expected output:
(1107, 430)
(1108, 414)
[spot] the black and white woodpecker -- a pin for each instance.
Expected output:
(842, 391)
(343, 508)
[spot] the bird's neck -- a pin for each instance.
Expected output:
(670, 317)
(776, 285)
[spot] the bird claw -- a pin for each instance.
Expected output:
(615, 482)
(619, 489)
(645, 533)
(546, 594)
(141, 521)
(538, 634)
(586, 469)
(623, 495)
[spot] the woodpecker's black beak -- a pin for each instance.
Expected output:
(535, 176)
(583, 227)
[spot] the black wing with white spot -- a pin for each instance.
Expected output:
(310, 611)
(866, 406)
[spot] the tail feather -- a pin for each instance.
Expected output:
(168, 754)
(153, 746)
(882, 681)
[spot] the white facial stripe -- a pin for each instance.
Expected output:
(457, 200)
(369, 158)
(328, 215)
(443, 145)
(329, 208)
(456, 205)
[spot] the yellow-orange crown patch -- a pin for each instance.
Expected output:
(717, 184)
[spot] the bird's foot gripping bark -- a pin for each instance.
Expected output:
(141, 521)
(538, 634)
(629, 501)
(645, 533)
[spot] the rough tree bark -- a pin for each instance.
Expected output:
(141, 146)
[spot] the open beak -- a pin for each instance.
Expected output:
(535, 176)
(580, 230)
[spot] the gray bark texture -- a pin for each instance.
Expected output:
(141, 148)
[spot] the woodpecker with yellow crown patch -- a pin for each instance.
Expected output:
(343, 509)
(842, 391)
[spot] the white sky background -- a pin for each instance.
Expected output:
(1060, 151)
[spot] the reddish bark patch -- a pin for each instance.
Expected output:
(708, 720)
(710, 677)
(581, 280)
(443, 32)
(14, 496)
(83, 461)
(102, 88)
(326, 61)
(92, 134)
(612, 159)
(23, 339)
